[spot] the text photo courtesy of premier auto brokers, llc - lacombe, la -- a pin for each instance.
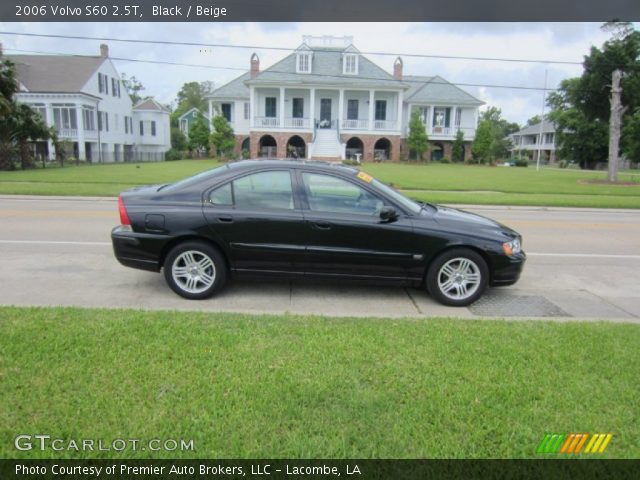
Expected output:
(373, 240)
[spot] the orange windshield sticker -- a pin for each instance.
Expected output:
(365, 177)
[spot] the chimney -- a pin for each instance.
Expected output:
(104, 50)
(397, 69)
(255, 65)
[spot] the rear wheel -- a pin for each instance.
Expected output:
(195, 270)
(458, 277)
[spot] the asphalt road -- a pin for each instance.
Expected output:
(583, 263)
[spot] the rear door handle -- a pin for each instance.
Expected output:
(321, 225)
(225, 219)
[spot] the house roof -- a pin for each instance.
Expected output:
(236, 88)
(547, 127)
(326, 69)
(191, 111)
(149, 104)
(54, 73)
(437, 89)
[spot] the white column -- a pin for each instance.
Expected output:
(312, 107)
(281, 107)
(50, 123)
(80, 124)
(210, 114)
(371, 108)
(252, 109)
(399, 116)
(340, 107)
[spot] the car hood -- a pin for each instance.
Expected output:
(470, 223)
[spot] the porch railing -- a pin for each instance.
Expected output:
(384, 125)
(68, 132)
(441, 130)
(355, 124)
(266, 121)
(296, 123)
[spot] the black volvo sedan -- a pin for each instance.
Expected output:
(309, 219)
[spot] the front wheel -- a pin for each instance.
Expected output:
(195, 270)
(458, 277)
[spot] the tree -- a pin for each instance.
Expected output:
(501, 128)
(533, 120)
(29, 125)
(483, 145)
(222, 137)
(457, 148)
(199, 134)
(193, 95)
(134, 87)
(630, 136)
(417, 139)
(19, 123)
(178, 140)
(581, 106)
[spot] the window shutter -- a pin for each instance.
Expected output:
(141, 128)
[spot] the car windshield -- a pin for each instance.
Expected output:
(407, 203)
(192, 180)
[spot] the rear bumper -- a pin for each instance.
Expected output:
(507, 270)
(138, 250)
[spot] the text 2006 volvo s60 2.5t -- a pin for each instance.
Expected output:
(309, 219)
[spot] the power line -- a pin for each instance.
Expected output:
(288, 49)
(244, 70)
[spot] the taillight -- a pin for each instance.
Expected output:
(124, 218)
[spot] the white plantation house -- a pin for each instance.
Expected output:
(327, 100)
(84, 98)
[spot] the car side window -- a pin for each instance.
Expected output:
(326, 193)
(222, 195)
(257, 191)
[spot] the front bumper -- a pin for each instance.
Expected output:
(138, 250)
(507, 270)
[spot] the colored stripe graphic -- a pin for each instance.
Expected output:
(573, 443)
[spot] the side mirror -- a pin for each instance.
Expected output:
(388, 214)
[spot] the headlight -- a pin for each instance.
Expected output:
(513, 247)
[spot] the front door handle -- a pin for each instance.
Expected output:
(321, 225)
(225, 219)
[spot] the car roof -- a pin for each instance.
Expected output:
(269, 162)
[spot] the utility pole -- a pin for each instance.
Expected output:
(615, 121)
(544, 98)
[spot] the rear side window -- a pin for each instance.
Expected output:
(222, 195)
(264, 190)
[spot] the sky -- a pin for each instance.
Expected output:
(566, 42)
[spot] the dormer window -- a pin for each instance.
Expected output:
(303, 64)
(350, 64)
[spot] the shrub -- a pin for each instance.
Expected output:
(445, 160)
(173, 154)
(521, 162)
(563, 164)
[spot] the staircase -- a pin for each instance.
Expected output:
(326, 144)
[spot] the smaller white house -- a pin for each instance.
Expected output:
(152, 128)
(84, 98)
(534, 140)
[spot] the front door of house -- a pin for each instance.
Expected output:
(325, 112)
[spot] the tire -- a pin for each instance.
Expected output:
(195, 270)
(458, 277)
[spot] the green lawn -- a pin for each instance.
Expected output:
(244, 386)
(435, 183)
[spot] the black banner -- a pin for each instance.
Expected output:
(318, 469)
(317, 10)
